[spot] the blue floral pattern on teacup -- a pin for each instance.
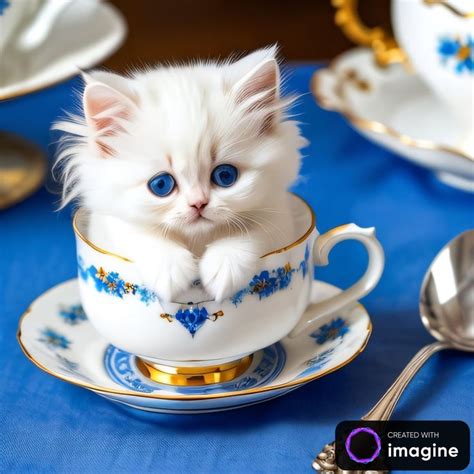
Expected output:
(112, 284)
(330, 331)
(269, 282)
(4, 4)
(194, 316)
(458, 52)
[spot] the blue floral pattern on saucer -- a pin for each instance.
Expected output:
(458, 52)
(53, 339)
(67, 364)
(330, 331)
(121, 367)
(73, 314)
(317, 362)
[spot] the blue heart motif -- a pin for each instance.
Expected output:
(193, 318)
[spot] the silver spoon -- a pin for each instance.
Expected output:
(447, 312)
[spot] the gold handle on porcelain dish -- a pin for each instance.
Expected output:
(384, 45)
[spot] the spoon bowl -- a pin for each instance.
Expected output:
(447, 294)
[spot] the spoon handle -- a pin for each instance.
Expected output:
(325, 461)
(383, 409)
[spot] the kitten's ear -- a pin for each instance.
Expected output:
(107, 109)
(258, 87)
(117, 82)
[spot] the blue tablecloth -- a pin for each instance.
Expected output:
(51, 426)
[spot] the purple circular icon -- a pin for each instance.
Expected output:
(353, 433)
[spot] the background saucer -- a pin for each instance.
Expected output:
(84, 35)
(56, 336)
(393, 108)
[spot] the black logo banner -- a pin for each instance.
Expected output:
(403, 445)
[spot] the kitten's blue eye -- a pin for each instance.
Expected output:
(162, 184)
(224, 175)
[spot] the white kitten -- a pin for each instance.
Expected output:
(185, 170)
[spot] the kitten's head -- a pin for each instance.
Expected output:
(189, 149)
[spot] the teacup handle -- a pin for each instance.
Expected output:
(386, 49)
(321, 249)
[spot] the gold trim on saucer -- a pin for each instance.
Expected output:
(129, 393)
(451, 8)
(22, 169)
(193, 376)
(371, 125)
(125, 259)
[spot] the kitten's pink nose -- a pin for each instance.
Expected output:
(199, 204)
(198, 199)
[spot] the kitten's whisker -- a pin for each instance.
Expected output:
(264, 229)
(239, 224)
(269, 210)
(268, 230)
(274, 226)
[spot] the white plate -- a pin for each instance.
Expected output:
(393, 108)
(83, 36)
(56, 336)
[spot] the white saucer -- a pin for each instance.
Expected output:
(396, 110)
(56, 336)
(83, 36)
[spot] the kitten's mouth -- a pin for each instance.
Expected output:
(198, 217)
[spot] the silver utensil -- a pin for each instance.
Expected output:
(447, 312)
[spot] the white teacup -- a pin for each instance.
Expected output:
(437, 37)
(25, 24)
(198, 333)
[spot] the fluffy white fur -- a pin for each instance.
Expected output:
(185, 120)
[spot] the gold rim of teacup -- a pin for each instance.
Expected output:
(125, 259)
(446, 4)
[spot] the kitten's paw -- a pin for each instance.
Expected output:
(227, 266)
(170, 272)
